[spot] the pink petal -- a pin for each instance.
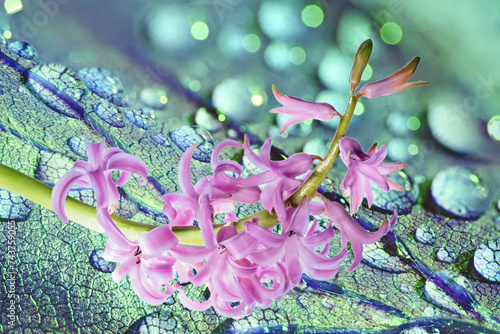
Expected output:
(60, 192)
(258, 179)
(184, 172)
(225, 233)
(128, 163)
(295, 165)
(223, 144)
(319, 239)
(253, 157)
(114, 234)
(265, 236)
(385, 168)
(394, 185)
(300, 219)
(208, 269)
(248, 195)
(320, 274)
(161, 267)
(315, 260)
(95, 151)
(206, 224)
(267, 256)
(393, 83)
(241, 245)
(313, 110)
(138, 285)
(292, 120)
(156, 241)
(113, 193)
(100, 187)
(347, 145)
(123, 179)
(241, 268)
(372, 174)
(195, 306)
(124, 269)
(294, 270)
(190, 254)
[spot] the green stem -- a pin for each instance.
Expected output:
(85, 215)
(81, 213)
(311, 185)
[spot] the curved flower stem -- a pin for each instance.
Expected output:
(310, 186)
(85, 215)
(81, 213)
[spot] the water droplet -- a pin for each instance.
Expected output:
(161, 139)
(188, 135)
(157, 322)
(205, 119)
(425, 235)
(138, 119)
(25, 50)
(405, 289)
(402, 201)
(109, 113)
(155, 98)
(105, 84)
(99, 263)
(58, 87)
(52, 166)
(487, 260)
(13, 206)
(78, 145)
(441, 298)
(375, 256)
(455, 127)
(460, 193)
(416, 330)
(446, 256)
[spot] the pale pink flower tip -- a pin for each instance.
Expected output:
(365, 167)
(394, 83)
(301, 110)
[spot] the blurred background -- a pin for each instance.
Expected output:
(212, 64)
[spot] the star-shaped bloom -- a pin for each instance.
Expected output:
(142, 259)
(393, 83)
(296, 247)
(301, 110)
(352, 232)
(230, 280)
(96, 174)
(365, 167)
(210, 195)
(280, 177)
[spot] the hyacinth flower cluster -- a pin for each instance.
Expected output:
(245, 263)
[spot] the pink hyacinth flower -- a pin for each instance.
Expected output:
(96, 174)
(279, 176)
(229, 279)
(301, 110)
(365, 167)
(296, 247)
(210, 195)
(142, 259)
(352, 232)
(393, 83)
